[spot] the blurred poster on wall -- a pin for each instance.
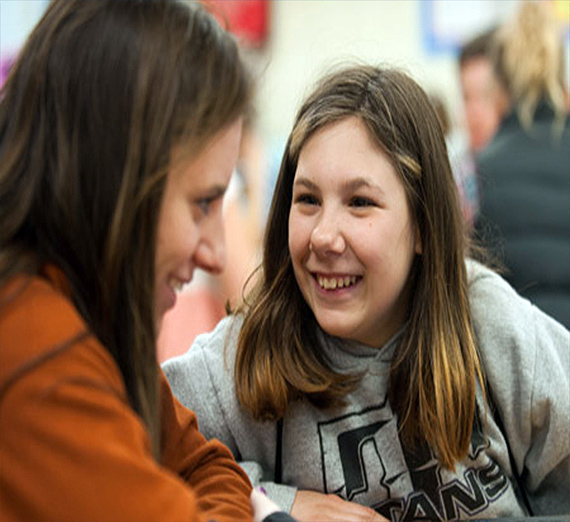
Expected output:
(247, 19)
(446, 24)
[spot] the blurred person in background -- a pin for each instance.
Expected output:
(483, 102)
(120, 126)
(483, 105)
(525, 170)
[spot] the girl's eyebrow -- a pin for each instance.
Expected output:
(356, 183)
(300, 181)
(350, 185)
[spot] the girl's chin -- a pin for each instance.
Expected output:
(333, 328)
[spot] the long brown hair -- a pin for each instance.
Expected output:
(100, 94)
(433, 377)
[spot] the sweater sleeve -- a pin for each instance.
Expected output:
(526, 355)
(222, 488)
(547, 461)
(191, 377)
(282, 494)
(73, 448)
(202, 379)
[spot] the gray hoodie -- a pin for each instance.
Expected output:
(355, 450)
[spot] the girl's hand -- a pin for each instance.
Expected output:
(310, 506)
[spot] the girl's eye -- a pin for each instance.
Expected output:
(306, 199)
(361, 201)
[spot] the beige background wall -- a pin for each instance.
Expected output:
(309, 36)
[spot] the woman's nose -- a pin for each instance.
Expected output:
(210, 254)
(327, 236)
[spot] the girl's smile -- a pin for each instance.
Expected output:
(336, 282)
(351, 238)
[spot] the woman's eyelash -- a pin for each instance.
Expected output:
(204, 205)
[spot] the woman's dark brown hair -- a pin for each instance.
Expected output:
(433, 378)
(89, 115)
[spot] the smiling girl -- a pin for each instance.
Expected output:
(375, 371)
(353, 281)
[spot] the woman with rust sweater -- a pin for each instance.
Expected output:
(120, 125)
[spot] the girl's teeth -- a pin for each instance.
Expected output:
(334, 283)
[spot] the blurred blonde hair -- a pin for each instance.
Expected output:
(529, 61)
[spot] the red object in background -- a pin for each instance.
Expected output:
(247, 19)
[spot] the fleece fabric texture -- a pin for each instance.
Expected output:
(355, 450)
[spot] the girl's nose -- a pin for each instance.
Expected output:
(327, 237)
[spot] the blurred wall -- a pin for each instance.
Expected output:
(308, 37)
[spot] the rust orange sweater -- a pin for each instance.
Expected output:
(72, 448)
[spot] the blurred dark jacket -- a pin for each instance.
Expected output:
(524, 218)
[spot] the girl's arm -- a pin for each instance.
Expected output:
(547, 459)
(526, 356)
(202, 379)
